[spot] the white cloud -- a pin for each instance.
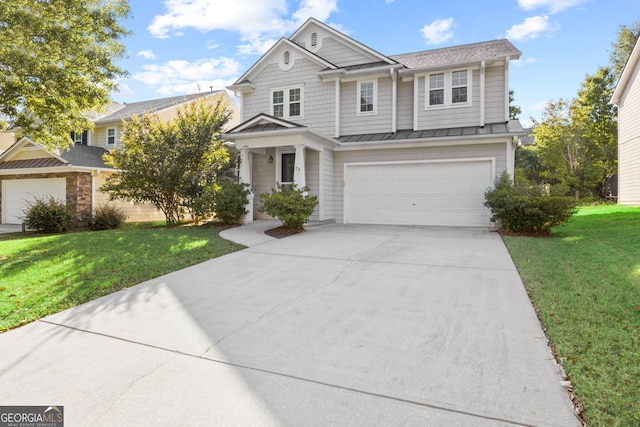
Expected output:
(212, 44)
(438, 31)
(147, 54)
(524, 61)
(553, 6)
(531, 28)
(179, 76)
(258, 22)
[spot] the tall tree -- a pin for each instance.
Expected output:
(627, 37)
(514, 110)
(57, 62)
(171, 164)
(568, 155)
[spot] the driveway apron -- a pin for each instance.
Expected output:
(340, 325)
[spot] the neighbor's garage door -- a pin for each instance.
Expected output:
(449, 193)
(16, 193)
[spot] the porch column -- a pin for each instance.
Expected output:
(298, 171)
(245, 177)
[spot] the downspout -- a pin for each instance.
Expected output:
(506, 85)
(394, 100)
(482, 92)
(336, 132)
(416, 79)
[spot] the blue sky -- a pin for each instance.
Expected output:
(186, 46)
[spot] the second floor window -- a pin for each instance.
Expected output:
(287, 103)
(111, 136)
(80, 137)
(448, 89)
(367, 97)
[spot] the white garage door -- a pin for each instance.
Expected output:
(447, 193)
(16, 193)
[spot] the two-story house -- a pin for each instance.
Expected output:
(415, 138)
(75, 175)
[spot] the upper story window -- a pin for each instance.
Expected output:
(448, 89)
(287, 103)
(80, 137)
(367, 94)
(111, 136)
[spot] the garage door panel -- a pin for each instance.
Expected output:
(17, 193)
(420, 193)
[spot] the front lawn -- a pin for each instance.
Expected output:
(585, 283)
(44, 274)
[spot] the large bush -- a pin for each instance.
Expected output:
(48, 215)
(524, 208)
(230, 201)
(107, 217)
(290, 204)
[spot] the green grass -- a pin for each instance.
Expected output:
(44, 274)
(585, 283)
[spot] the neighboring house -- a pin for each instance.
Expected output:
(627, 97)
(415, 138)
(75, 175)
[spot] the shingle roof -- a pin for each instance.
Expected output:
(458, 54)
(126, 111)
(85, 156)
(489, 129)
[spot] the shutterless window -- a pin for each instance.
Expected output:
(294, 102)
(111, 136)
(459, 86)
(436, 89)
(366, 97)
(278, 103)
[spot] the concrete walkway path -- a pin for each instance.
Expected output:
(341, 325)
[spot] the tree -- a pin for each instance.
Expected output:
(627, 37)
(568, 154)
(171, 164)
(514, 110)
(57, 63)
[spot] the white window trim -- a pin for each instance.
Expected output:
(115, 136)
(286, 102)
(448, 86)
(359, 84)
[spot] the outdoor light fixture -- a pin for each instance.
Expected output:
(270, 159)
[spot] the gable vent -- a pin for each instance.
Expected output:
(287, 57)
(314, 39)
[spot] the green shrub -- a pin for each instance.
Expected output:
(230, 201)
(48, 215)
(290, 204)
(107, 217)
(523, 208)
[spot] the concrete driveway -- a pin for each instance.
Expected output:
(341, 325)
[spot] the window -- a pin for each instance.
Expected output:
(367, 97)
(111, 136)
(287, 165)
(459, 86)
(448, 89)
(287, 103)
(80, 137)
(436, 89)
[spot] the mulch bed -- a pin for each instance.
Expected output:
(280, 232)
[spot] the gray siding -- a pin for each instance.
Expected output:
(353, 124)
(629, 143)
(318, 98)
(341, 55)
(405, 105)
(497, 151)
(447, 117)
(495, 93)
